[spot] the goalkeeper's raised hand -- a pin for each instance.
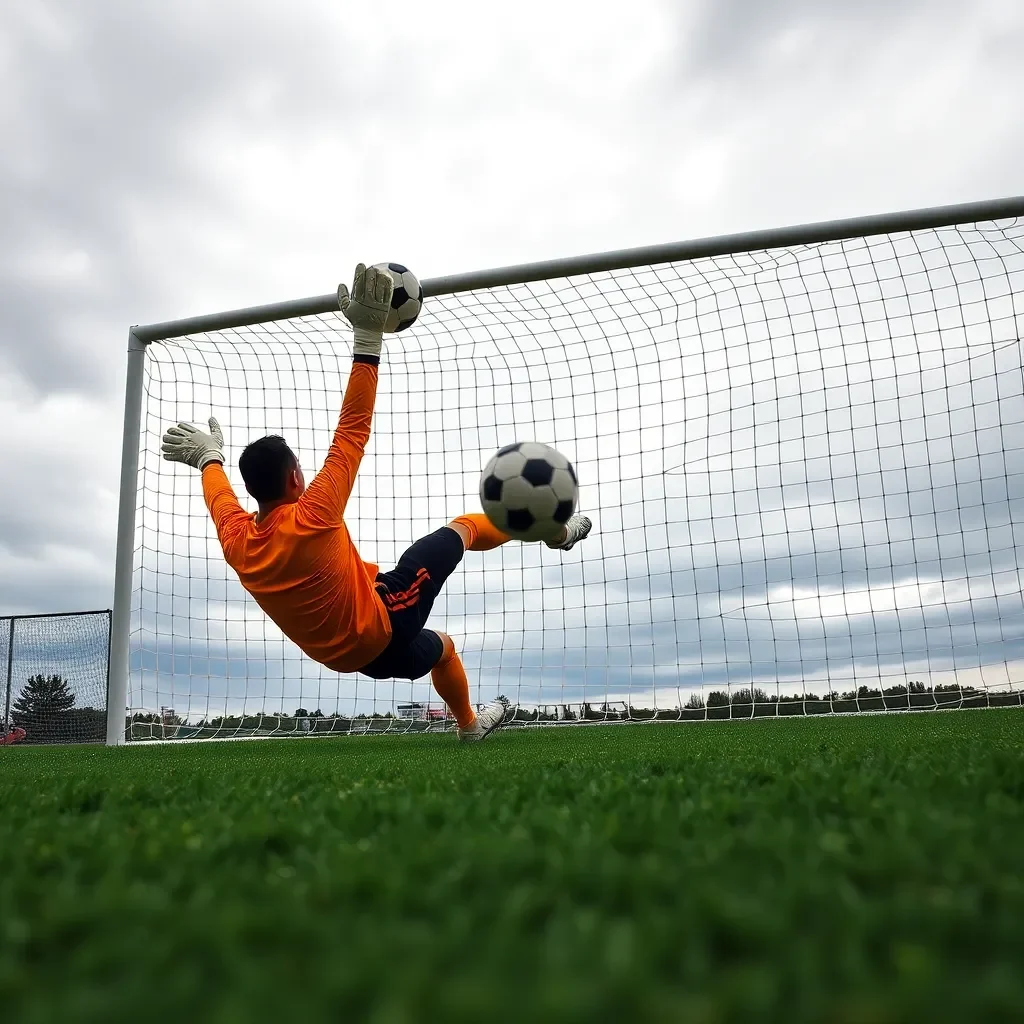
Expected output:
(188, 444)
(366, 309)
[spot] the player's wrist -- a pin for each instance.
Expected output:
(367, 342)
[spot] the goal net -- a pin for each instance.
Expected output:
(805, 465)
(53, 677)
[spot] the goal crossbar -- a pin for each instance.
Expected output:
(620, 259)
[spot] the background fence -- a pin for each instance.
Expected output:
(54, 671)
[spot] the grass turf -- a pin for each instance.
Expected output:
(859, 869)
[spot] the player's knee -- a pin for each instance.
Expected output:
(465, 534)
(447, 645)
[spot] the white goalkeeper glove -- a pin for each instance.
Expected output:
(188, 444)
(367, 308)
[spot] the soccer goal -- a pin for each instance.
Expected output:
(803, 451)
(53, 677)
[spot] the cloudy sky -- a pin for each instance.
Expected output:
(164, 160)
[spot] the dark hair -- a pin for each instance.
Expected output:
(265, 465)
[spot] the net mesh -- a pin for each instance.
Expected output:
(6, 677)
(805, 468)
(55, 676)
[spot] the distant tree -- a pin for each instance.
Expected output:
(749, 696)
(301, 713)
(43, 696)
(46, 710)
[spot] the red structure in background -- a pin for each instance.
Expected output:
(16, 735)
(420, 712)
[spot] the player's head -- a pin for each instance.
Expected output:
(270, 471)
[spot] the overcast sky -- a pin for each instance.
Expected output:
(161, 160)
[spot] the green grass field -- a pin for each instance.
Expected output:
(853, 869)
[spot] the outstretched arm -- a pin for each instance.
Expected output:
(327, 495)
(228, 516)
(205, 452)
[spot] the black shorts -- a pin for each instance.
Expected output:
(408, 592)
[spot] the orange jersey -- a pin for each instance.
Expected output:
(300, 564)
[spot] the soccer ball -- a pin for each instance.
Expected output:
(529, 490)
(406, 299)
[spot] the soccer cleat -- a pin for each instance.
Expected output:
(575, 530)
(490, 718)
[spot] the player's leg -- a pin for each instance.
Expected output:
(478, 533)
(449, 679)
(408, 593)
(413, 585)
(433, 652)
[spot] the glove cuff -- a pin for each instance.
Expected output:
(211, 456)
(366, 342)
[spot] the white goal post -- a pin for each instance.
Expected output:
(803, 450)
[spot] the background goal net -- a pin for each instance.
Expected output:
(53, 677)
(805, 464)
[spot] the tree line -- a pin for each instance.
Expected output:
(46, 710)
(753, 702)
(748, 702)
(145, 725)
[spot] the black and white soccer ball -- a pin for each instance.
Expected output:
(529, 490)
(406, 299)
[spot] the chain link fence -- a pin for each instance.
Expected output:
(54, 674)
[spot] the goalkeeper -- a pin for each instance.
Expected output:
(295, 555)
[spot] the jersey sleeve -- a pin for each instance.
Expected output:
(228, 516)
(327, 495)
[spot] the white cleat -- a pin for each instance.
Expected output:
(576, 529)
(492, 717)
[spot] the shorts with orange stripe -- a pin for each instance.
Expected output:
(408, 592)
